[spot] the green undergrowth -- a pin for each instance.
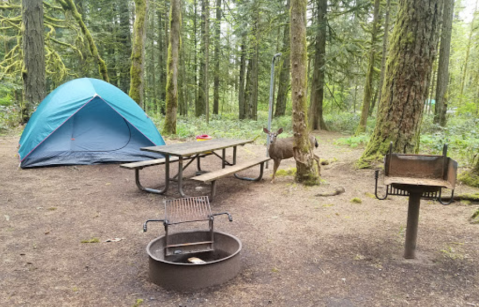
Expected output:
(356, 200)
(353, 141)
(227, 126)
(92, 240)
(469, 178)
(286, 172)
(461, 135)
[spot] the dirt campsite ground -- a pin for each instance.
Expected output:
(299, 249)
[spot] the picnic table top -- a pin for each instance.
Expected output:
(195, 147)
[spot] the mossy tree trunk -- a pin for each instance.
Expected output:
(160, 107)
(216, 95)
(411, 55)
(33, 72)
(317, 86)
(124, 39)
(443, 65)
(172, 68)
(283, 87)
(183, 94)
(137, 53)
(307, 171)
(200, 106)
(385, 51)
(241, 90)
(468, 52)
(368, 87)
(68, 5)
(471, 177)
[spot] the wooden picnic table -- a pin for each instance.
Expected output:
(193, 151)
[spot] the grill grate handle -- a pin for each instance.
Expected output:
(145, 224)
(230, 218)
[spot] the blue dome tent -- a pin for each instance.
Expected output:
(87, 121)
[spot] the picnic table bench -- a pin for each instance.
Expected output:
(180, 152)
(137, 166)
(215, 175)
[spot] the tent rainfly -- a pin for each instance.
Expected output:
(87, 121)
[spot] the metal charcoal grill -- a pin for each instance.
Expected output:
(188, 210)
(417, 176)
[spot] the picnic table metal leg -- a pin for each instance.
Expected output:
(261, 168)
(213, 190)
(185, 167)
(234, 155)
(180, 177)
(198, 163)
(167, 172)
(223, 161)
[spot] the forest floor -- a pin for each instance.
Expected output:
(299, 249)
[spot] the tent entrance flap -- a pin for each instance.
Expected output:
(97, 127)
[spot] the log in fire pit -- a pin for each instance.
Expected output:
(191, 260)
(417, 176)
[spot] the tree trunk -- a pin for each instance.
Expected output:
(471, 177)
(200, 107)
(317, 86)
(216, 96)
(253, 103)
(207, 57)
(248, 87)
(443, 65)
(385, 51)
(137, 54)
(183, 94)
(241, 90)
(151, 68)
(369, 75)
(172, 73)
(68, 5)
(33, 72)
(307, 172)
(195, 52)
(283, 86)
(124, 38)
(373, 102)
(468, 50)
(412, 51)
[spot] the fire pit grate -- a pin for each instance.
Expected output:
(191, 209)
(188, 210)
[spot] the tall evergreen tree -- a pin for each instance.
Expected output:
(443, 65)
(411, 53)
(369, 75)
(216, 86)
(202, 100)
(172, 76)
(317, 86)
(283, 86)
(137, 53)
(33, 72)
(385, 50)
(124, 39)
(307, 172)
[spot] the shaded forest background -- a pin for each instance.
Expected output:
(229, 44)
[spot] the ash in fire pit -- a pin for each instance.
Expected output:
(217, 253)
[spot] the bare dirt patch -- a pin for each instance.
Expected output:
(298, 249)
